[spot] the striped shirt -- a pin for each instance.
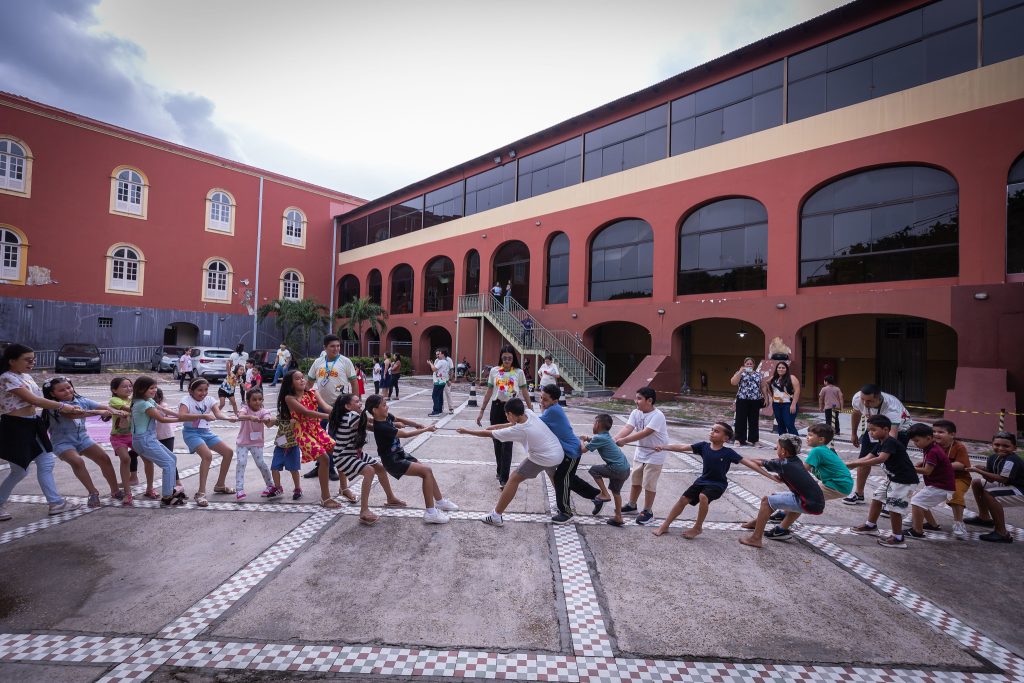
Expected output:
(345, 434)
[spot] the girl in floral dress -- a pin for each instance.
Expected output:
(297, 400)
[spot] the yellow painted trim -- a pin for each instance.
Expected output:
(302, 283)
(113, 193)
(976, 89)
(284, 228)
(230, 282)
(231, 222)
(22, 256)
(27, 192)
(109, 277)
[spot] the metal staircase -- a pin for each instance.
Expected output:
(578, 367)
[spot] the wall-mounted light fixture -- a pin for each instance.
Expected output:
(780, 305)
(537, 223)
(137, 312)
(574, 316)
(981, 296)
(741, 333)
(661, 311)
(483, 236)
(30, 305)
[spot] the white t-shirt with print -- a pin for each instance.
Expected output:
(891, 407)
(198, 407)
(645, 447)
(284, 357)
(13, 380)
(541, 444)
(442, 369)
(332, 378)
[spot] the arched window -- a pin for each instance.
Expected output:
(558, 270)
(291, 285)
(220, 212)
(129, 192)
(472, 273)
(401, 289)
(897, 223)
(12, 267)
(723, 247)
(375, 286)
(125, 270)
(622, 261)
(348, 289)
(15, 167)
(439, 285)
(1015, 218)
(217, 278)
(512, 264)
(294, 228)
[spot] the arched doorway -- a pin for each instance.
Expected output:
(400, 341)
(439, 285)
(620, 346)
(401, 289)
(912, 358)
(712, 349)
(181, 334)
(512, 263)
(372, 343)
(349, 343)
(432, 339)
(348, 289)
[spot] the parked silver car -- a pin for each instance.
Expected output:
(209, 362)
(165, 358)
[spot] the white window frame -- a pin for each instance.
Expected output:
(217, 281)
(13, 161)
(291, 279)
(129, 192)
(12, 263)
(220, 212)
(124, 270)
(293, 228)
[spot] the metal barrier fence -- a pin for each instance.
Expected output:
(116, 356)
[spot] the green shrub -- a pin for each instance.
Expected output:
(305, 364)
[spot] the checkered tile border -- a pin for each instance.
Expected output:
(40, 524)
(586, 623)
(65, 648)
(199, 616)
(141, 664)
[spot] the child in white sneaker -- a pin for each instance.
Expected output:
(945, 436)
(939, 483)
(252, 418)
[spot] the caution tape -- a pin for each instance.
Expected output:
(963, 410)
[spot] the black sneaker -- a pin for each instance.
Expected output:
(853, 499)
(435, 414)
(777, 533)
(629, 509)
(993, 537)
(777, 516)
(313, 473)
(615, 522)
(915, 534)
(978, 521)
(561, 518)
(644, 517)
(598, 504)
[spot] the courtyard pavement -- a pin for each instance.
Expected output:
(284, 590)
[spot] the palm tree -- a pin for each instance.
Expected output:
(297, 320)
(358, 313)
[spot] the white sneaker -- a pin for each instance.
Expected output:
(435, 517)
(446, 505)
(493, 520)
(4, 514)
(64, 507)
(959, 530)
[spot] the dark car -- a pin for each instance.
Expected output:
(266, 361)
(165, 358)
(78, 357)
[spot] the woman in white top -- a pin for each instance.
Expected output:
(548, 372)
(23, 437)
(505, 382)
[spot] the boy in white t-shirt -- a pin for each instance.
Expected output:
(543, 451)
(646, 427)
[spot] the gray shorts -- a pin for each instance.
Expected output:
(528, 469)
(616, 478)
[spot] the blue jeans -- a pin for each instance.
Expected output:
(152, 450)
(785, 421)
(44, 463)
(438, 397)
(279, 371)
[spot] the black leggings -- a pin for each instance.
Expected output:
(393, 386)
(502, 449)
(748, 411)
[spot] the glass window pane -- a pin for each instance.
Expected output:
(898, 70)
(1015, 224)
(768, 110)
(724, 93)
(806, 98)
(952, 52)
(710, 251)
(889, 221)
(756, 245)
(851, 233)
(945, 14)
(737, 120)
(689, 248)
(709, 129)
(733, 248)
(874, 39)
(848, 85)
(807, 63)
(1002, 35)
(684, 108)
(682, 136)
(767, 77)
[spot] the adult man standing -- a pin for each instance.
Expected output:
(282, 361)
(527, 332)
(442, 370)
(332, 374)
(186, 369)
(871, 400)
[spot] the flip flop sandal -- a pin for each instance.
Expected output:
(151, 494)
(396, 505)
(349, 496)
(223, 489)
(201, 501)
(330, 503)
(365, 521)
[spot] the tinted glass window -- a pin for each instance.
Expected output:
(348, 289)
(472, 273)
(622, 261)
(558, 270)
(439, 285)
(353, 235)
(79, 350)
(1015, 219)
(374, 285)
(1002, 31)
(407, 216)
(723, 247)
(886, 224)
(377, 226)
(625, 144)
(444, 205)
(490, 189)
(401, 289)
(550, 169)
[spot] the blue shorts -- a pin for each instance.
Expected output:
(286, 459)
(196, 437)
(79, 444)
(787, 502)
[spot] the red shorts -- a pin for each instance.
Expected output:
(120, 441)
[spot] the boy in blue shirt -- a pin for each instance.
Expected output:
(615, 467)
(566, 479)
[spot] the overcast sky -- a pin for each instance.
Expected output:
(362, 97)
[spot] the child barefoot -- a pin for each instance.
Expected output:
(615, 467)
(350, 460)
(712, 482)
(252, 419)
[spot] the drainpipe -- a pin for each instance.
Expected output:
(259, 240)
(334, 264)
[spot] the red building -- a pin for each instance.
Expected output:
(852, 185)
(117, 238)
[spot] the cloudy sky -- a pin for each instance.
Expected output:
(362, 97)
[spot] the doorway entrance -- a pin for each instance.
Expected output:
(512, 263)
(181, 334)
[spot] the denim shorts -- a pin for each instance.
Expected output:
(80, 444)
(786, 501)
(196, 437)
(286, 459)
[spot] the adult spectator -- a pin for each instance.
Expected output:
(548, 373)
(237, 360)
(282, 361)
(442, 370)
(378, 374)
(751, 396)
(332, 374)
(871, 400)
(527, 332)
(785, 392)
(395, 374)
(186, 369)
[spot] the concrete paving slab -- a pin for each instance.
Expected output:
(49, 673)
(473, 488)
(127, 570)
(460, 585)
(977, 582)
(23, 513)
(671, 485)
(784, 602)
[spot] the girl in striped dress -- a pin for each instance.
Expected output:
(350, 460)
